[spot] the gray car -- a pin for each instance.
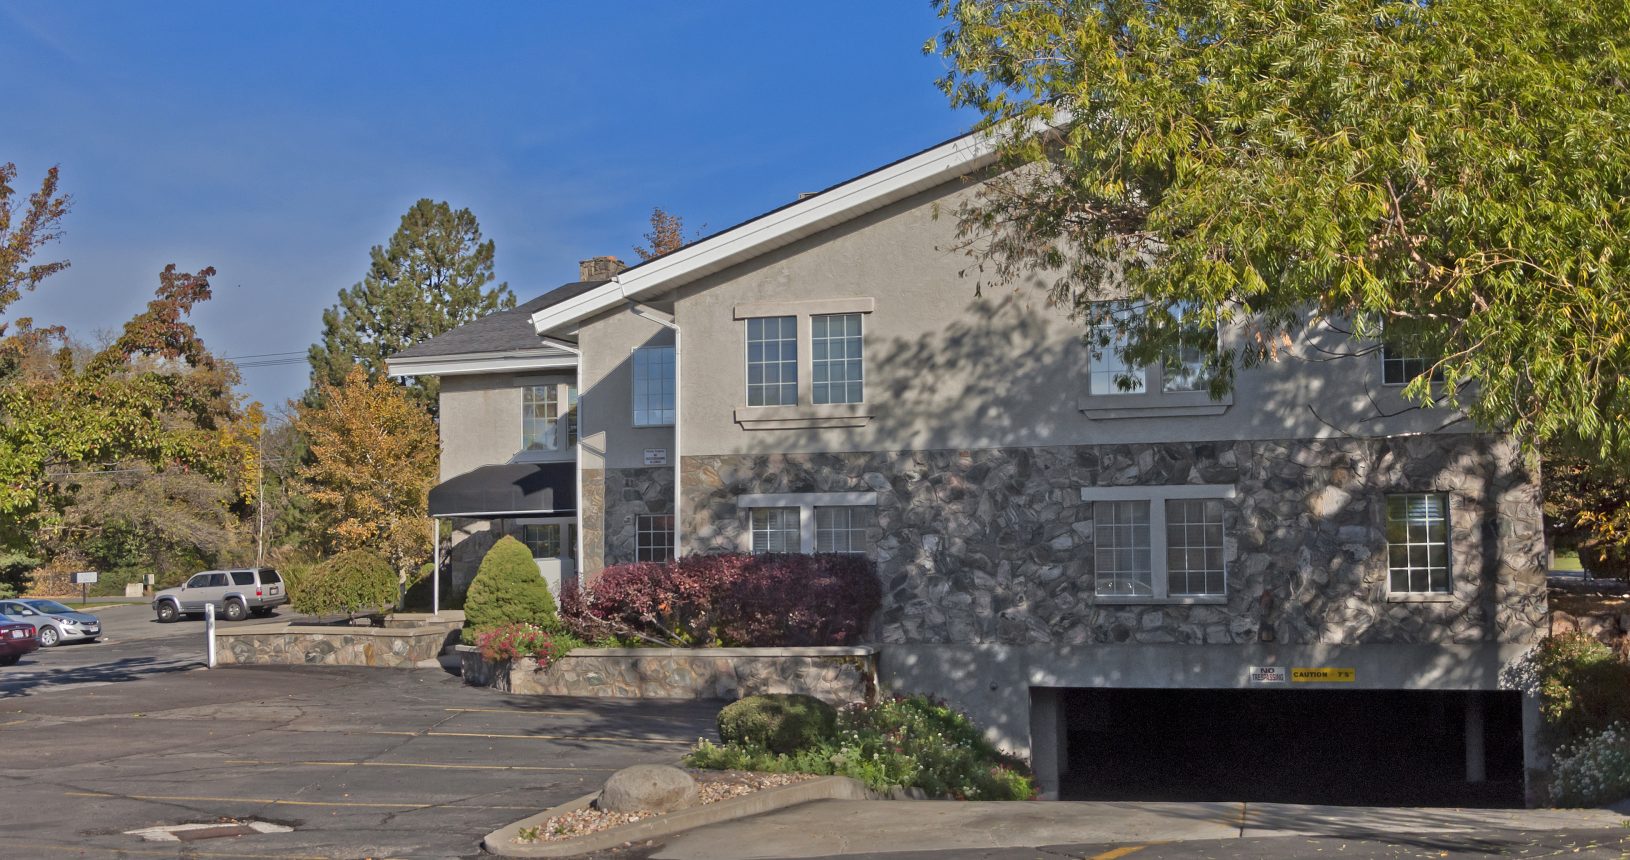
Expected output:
(235, 594)
(56, 623)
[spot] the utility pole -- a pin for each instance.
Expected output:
(260, 503)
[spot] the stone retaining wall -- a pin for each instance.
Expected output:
(837, 675)
(289, 644)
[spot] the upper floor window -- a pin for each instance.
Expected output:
(653, 386)
(1110, 373)
(1418, 543)
(548, 417)
(772, 361)
(836, 363)
(1400, 369)
(1108, 370)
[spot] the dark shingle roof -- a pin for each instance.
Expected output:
(499, 332)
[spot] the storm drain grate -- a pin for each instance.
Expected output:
(213, 830)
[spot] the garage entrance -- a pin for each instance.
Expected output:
(1354, 747)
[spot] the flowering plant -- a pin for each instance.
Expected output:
(1595, 770)
(513, 641)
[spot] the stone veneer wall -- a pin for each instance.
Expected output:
(837, 675)
(401, 648)
(591, 521)
(995, 545)
(627, 495)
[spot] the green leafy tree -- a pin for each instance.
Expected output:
(508, 589)
(353, 582)
(433, 276)
(1456, 173)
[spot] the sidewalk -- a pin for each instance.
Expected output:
(835, 827)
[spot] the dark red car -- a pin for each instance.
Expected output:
(17, 639)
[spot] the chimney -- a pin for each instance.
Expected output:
(599, 268)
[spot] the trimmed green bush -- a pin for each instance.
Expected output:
(777, 722)
(508, 589)
(353, 583)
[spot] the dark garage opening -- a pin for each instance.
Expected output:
(1351, 747)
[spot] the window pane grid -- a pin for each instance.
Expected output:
(837, 364)
(775, 530)
(842, 529)
(543, 539)
(1122, 558)
(772, 361)
(653, 386)
(654, 538)
(1418, 543)
(1403, 369)
(540, 416)
(1194, 551)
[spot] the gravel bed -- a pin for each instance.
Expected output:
(712, 786)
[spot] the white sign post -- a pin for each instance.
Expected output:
(209, 631)
(85, 579)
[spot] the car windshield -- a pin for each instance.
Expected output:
(48, 606)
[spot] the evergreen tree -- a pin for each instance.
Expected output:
(433, 276)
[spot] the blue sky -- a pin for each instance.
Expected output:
(279, 141)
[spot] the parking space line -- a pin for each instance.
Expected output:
(273, 801)
(559, 738)
(421, 764)
(1116, 853)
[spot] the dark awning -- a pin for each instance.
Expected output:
(512, 489)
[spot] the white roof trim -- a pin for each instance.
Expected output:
(481, 362)
(804, 218)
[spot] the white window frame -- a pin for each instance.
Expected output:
(854, 537)
(649, 354)
(566, 433)
(1153, 398)
(799, 351)
(1429, 594)
(806, 503)
(1429, 366)
(1159, 570)
(831, 363)
(665, 543)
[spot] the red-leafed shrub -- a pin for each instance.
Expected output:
(732, 601)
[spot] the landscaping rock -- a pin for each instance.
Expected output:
(648, 788)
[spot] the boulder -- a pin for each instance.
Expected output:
(648, 788)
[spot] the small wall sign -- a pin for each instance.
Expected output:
(656, 456)
(1323, 675)
(1269, 675)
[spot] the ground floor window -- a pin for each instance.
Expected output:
(1159, 542)
(842, 529)
(775, 530)
(654, 537)
(543, 539)
(1418, 543)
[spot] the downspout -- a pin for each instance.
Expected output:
(669, 322)
(577, 456)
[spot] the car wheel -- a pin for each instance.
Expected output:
(49, 636)
(235, 610)
(10, 659)
(167, 612)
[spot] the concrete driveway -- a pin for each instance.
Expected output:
(97, 740)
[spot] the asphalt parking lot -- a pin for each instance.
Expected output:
(359, 762)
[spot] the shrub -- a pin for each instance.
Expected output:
(777, 722)
(737, 600)
(1583, 688)
(352, 582)
(508, 589)
(1593, 771)
(916, 742)
(513, 641)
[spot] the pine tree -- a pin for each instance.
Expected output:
(432, 277)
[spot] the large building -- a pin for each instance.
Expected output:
(1305, 585)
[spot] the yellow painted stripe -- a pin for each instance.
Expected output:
(557, 738)
(281, 802)
(416, 764)
(1115, 853)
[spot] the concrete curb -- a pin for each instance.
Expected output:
(502, 841)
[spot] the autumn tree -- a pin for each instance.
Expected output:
(667, 234)
(24, 231)
(1449, 176)
(372, 461)
(434, 275)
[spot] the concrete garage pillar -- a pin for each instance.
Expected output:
(1048, 752)
(1476, 760)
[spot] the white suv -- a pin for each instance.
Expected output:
(236, 594)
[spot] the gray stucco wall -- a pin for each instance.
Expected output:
(481, 419)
